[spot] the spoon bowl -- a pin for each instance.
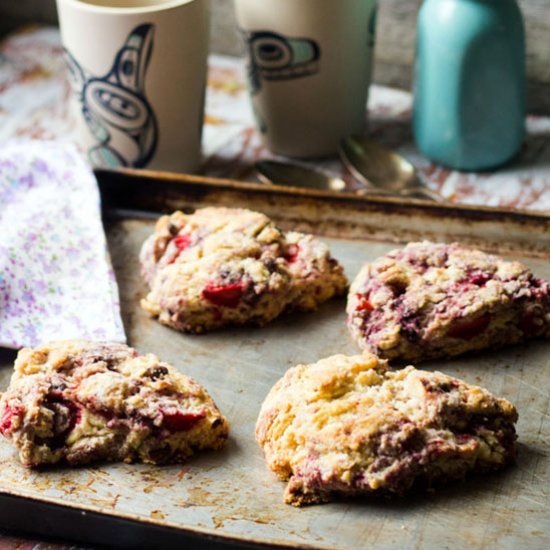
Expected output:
(294, 175)
(376, 166)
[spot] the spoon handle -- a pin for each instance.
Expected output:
(416, 192)
(422, 192)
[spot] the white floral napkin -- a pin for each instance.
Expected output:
(56, 278)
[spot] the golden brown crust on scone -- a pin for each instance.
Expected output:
(223, 266)
(349, 426)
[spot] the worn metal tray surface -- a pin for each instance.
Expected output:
(230, 495)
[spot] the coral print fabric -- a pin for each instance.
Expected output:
(56, 279)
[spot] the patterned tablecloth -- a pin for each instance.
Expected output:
(34, 96)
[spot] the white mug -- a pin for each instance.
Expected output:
(138, 71)
(309, 69)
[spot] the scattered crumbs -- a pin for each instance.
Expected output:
(218, 522)
(157, 514)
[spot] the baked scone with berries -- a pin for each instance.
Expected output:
(78, 402)
(224, 266)
(432, 300)
(348, 426)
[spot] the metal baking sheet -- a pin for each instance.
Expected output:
(230, 496)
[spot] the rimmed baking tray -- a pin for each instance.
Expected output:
(230, 498)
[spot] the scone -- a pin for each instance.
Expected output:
(223, 266)
(349, 426)
(78, 402)
(435, 300)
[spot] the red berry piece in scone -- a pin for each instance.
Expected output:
(435, 300)
(348, 426)
(222, 266)
(78, 402)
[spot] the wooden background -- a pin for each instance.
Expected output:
(395, 41)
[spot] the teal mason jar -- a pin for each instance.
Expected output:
(469, 92)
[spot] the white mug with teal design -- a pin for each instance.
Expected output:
(309, 69)
(138, 72)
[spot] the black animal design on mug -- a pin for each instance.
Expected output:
(115, 107)
(272, 56)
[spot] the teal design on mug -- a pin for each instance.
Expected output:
(115, 107)
(272, 56)
(469, 92)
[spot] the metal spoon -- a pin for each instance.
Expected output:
(295, 175)
(379, 167)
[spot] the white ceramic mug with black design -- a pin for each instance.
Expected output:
(138, 72)
(309, 69)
